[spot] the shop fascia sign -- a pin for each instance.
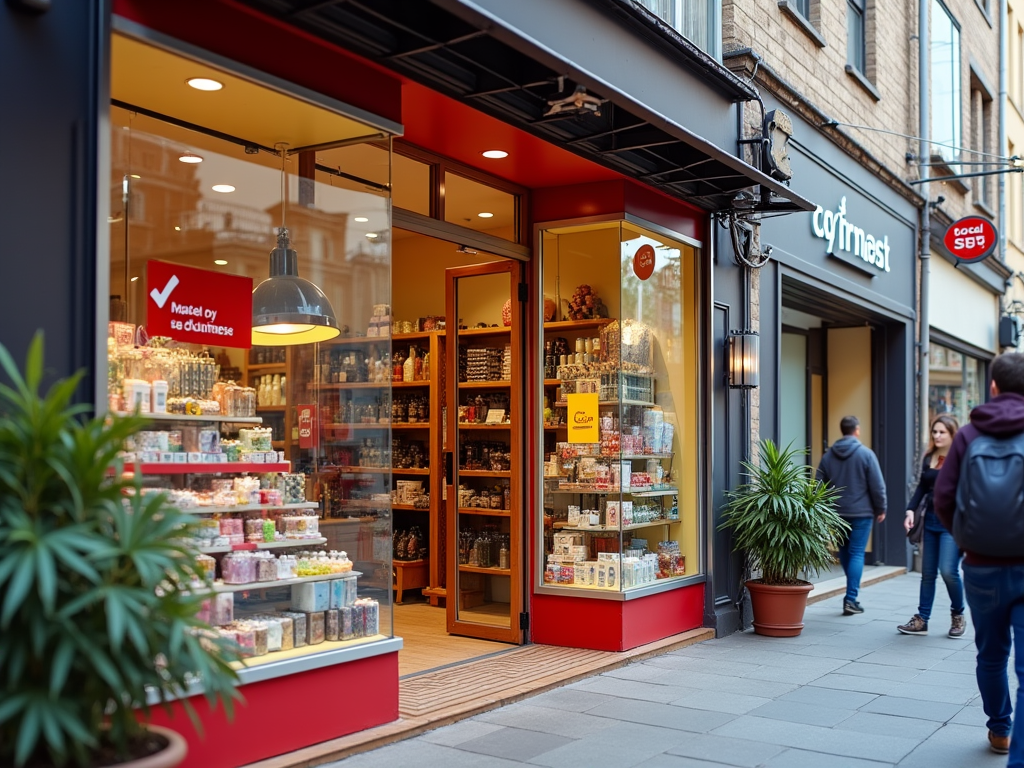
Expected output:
(842, 236)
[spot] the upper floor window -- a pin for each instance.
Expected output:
(856, 40)
(696, 20)
(803, 7)
(944, 49)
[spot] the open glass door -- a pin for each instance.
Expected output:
(483, 451)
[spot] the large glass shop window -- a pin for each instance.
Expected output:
(619, 498)
(956, 383)
(282, 452)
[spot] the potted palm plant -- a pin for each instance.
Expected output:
(786, 522)
(98, 591)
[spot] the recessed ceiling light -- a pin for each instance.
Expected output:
(177, 229)
(371, 235)
(135, 278)
(135, 176)
(361, 219)
(205, 84)
(114, 219)
(485, 215)
(188, 157)
(220, 262)
(225, 188)
(495, 154)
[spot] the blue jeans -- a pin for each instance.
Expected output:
(940, 554)
(996, 597)
(851, 553)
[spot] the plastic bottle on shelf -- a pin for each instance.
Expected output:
(275, 390)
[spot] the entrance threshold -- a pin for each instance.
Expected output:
(444, 696)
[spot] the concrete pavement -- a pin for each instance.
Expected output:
(850, 692)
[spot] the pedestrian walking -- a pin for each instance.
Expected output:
(979, 496)
(940, 553)
(853, 468)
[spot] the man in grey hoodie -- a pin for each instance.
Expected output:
(853, 469)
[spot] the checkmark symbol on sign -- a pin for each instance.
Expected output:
(160, 297)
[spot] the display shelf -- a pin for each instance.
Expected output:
(484, 384)
(409, 508)
(491, 571)
(278, 444)
(381, 471)
(555, 427)
(350, 385)
(615, 529)
(577, 325)
(350, 340)
(482, 473)
(207, 468)
(296, 654)
(222, 587)
(610, 403)
(484, 512)
(189, 418)
(552, 382)
(272, 408)
(225, 510)
(265, 367)
(410, 425)
(640, 456)
(505, 426)
(247, 547)
(499, 331)
(642, 491)
(417, 336)
(405, 384)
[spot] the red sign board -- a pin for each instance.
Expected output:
(643, 261)
(198, 306)
(309, 427)
(971, 239)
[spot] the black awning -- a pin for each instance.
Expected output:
(466, 61)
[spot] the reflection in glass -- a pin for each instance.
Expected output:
(944, 50)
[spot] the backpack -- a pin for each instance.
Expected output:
(989, 516)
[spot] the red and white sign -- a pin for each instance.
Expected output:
(198, 306)
(643, 261)
(309, 426)
(971, 239)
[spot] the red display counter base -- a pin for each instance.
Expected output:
(291, 712)
(612, 625)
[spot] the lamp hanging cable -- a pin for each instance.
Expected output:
(283, 149)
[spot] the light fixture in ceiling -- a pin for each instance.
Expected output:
(223, 188)
(287, 309)
(494, 154)
(205, 83)
(372, 235)
(135, 176)
(135, 278)
(464, 249)
(188, 157)
(177, 229)
(485, 215)
(220, 262)
(361, 219)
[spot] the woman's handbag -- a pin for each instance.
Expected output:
(916, 532)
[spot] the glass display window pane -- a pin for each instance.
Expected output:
(620, 340)
(481, 207)
(300, 550)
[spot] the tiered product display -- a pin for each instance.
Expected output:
(611, 507)
(274, 586)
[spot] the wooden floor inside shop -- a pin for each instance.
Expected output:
(427, 644)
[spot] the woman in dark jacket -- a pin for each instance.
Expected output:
(940, 554)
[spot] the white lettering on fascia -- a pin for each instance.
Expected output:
(839, 234)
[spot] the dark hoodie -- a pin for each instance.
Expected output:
(850, 466)
(1002, 416)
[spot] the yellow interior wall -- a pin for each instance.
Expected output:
(590, 257)
(849, 380)
(418, 285)
(816, 426)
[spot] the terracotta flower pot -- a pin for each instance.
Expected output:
(171, 756)
(778, 610)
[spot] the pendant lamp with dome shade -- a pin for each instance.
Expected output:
(286, 309)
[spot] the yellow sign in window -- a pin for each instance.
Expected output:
(583, 418)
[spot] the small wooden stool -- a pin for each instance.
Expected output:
(410, 574)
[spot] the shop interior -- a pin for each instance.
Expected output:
(393, 459)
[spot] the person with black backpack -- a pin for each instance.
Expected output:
(979, 496)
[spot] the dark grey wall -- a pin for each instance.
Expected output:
(52, 79)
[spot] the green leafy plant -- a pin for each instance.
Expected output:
(783, 518)
(97, 589)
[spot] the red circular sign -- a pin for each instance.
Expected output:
(643, 261)
(972, 238)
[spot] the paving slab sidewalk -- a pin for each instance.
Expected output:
(850, 692)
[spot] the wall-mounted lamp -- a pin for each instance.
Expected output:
(744, 359)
